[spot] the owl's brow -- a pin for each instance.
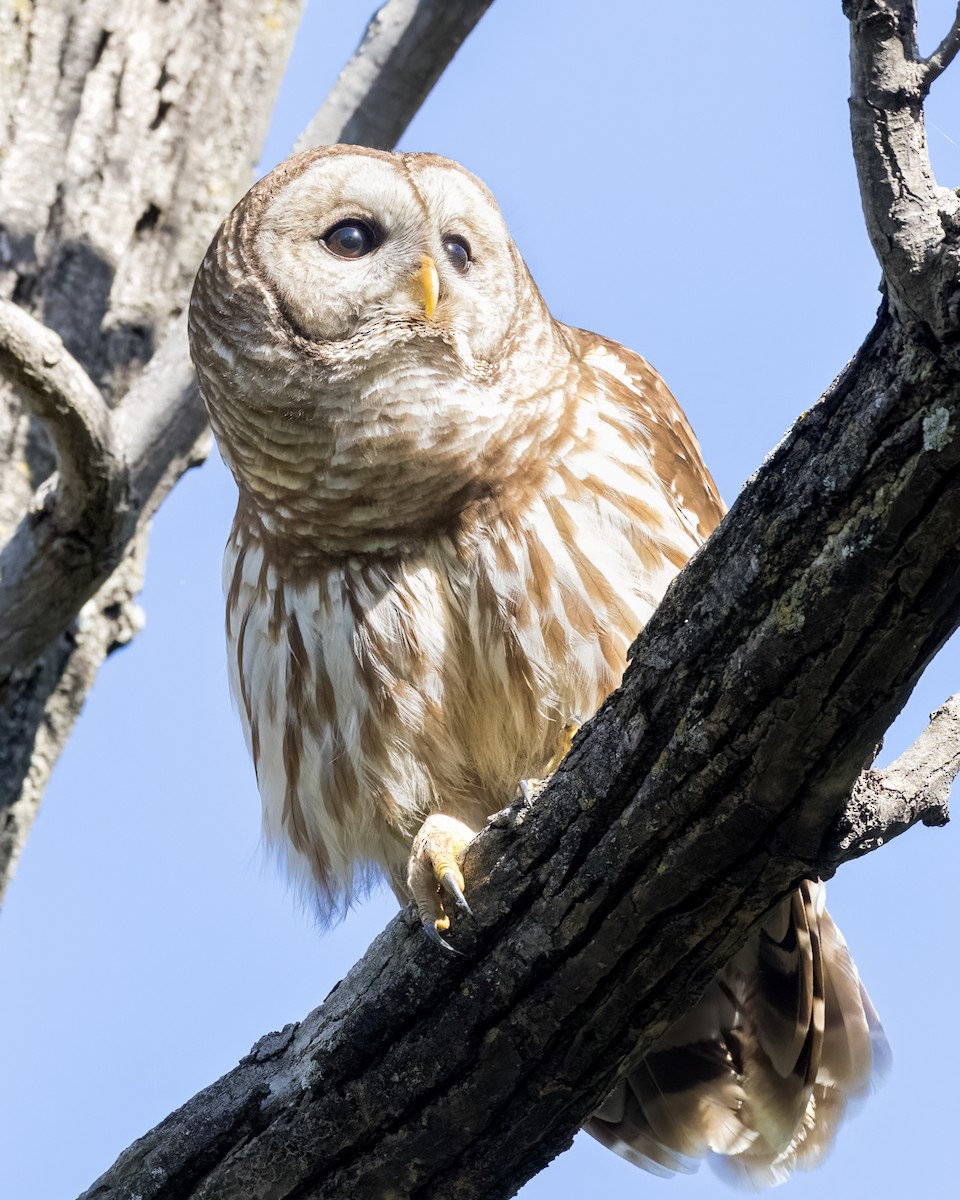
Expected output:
(407, 161)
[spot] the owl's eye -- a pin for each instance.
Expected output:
(351, 238)
(457, 250)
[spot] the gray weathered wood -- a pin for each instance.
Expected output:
(72, 532)
(913, 222)
(118, 157)
(915, 788)
(404, 51)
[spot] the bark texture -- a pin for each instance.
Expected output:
(914, 788)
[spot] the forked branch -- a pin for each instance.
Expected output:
(914, 224)
(935, 64)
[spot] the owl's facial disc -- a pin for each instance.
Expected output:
(391, 250)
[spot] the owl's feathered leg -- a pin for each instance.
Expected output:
(434, 877)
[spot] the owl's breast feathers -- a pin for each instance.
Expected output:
(375, 687)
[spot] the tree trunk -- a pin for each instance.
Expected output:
(119, 159)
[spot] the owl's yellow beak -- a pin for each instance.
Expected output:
(428, 285)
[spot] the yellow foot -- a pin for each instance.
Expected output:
(568, 731)
(433, 873)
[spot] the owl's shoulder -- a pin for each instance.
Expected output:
(650, 409)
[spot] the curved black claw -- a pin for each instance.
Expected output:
(528, 788)
(435, 936)
(448, 881)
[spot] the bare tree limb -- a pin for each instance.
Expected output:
(936, 63)
(70, 534)
(118, 155)
(913, 223)
(161, 425)
(61, 393)
(407, 46)
(915, 788)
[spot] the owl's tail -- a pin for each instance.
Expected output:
(759, 1073)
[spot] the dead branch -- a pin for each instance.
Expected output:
(407, 46)
(915, 788)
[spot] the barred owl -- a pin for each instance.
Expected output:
(455, 513)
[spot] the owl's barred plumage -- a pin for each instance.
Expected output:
(455, 515)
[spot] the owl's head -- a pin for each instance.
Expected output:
(366, 336)
(358, 245)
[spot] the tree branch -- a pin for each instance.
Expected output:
(915, 788)
(63, 396)
(406, 47)
(935, 65)
(913, 223)
(70, 535)
(161, 425)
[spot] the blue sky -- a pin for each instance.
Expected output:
(679, 179)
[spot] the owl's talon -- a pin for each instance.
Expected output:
(452, 884)
(434, 878)
(528, 788)
(569, 730)
(435, 936)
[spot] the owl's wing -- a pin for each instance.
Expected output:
(664, 428)
(760, 1071)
